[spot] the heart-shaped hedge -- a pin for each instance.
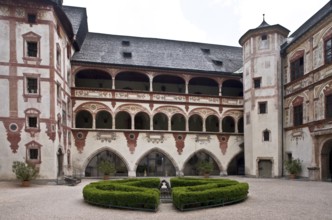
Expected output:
(143, 194)
(140, 194)
(193, 193)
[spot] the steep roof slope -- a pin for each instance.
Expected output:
(158, 53)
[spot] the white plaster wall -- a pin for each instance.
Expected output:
(4, 99)
(168, 147)
(301, 148)
(4, 42)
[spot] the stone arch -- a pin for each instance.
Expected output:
(325, 159)
(228, 124)
(132, 109)
(203, 85)
(232, 87)
(104, 119)
(160, 121)
(100, 150)
(161, 151)
(123, 120)
(93, 107)
(169, 83)
(83, 119)
(203, 112)
(178, 122)
(212, 123)
(195, 123)
(235, 165)
(142, 121)
(209, 153)
(93, 78)
(236, 114)
(169, 110)
(132, 80)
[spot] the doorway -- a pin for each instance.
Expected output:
(265, 168)
(326, 161)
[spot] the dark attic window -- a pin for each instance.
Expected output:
(264, 37)
(32, 18)
(217, 62)
(127, 54)
(125, 43)
(206, 51)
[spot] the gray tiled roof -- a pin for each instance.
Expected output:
(78, 19)
(159, 53)
(310, 23)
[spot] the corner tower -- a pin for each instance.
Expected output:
(263, 99)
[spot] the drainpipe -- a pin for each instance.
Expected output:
(282, 56)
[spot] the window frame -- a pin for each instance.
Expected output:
(260, 109)
(32, 113)
(259, 80)
(31, 37)
(26, 93)
(298, 115)
(328, 106)
(33, 145)
(297, 66)
(328, 51)
(266, 135)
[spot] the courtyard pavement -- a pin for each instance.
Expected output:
(268, 199)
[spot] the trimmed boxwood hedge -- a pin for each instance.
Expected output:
(142, 194)
(191, 193)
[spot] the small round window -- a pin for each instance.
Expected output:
(13, 127)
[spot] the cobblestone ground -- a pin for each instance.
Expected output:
(268, 199)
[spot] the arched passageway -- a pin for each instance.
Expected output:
(155, 163)
(204, 86)
(123, 120)
(83, 119)
(132, 81)
(93, 79)
(232, 88)
(104, 120)
(212, 123)
(142, 121)
(160, 122)
(195, 123)
(228, 124)
(191, 166)
(169, 83)
(236, 166)
(326, 161)
(178, 122)
(91, 169)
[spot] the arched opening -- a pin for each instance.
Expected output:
(93, 79)
(191, 166)
(232, 88)
(91, 169)
(142, 121)
(169, 83)
(155, 163)
(178, 122)
(240, 125)
(201, 85)
(132, 81)
(83, 119)
(123, 120)
(326, 161)
(228, 124)
(212, 123)
(236, 166)
(104, 120)
(160, 122)
(195, 123)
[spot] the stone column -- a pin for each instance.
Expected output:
(314, 169)
(113, 82)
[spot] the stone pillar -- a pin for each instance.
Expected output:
(314, 169)
(94, 121)
(131, 173)
(220, 90)
(151, 123)
(113, 82)
(204, 124)
(187, 89)
(133, 122)
(151, 83)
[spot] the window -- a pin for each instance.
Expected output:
(257, 83)
(206, 50)
(33, 154)
(32, 18)
(58, 56)
(32, 85)
(217, 62)
(264, 37)
(127, 54)
(328, 106)
(297, 68)
(266, 135)
(298, 115)
(58, 91)
(262, 107)
(125, 43)
(328, 51)
(32, 49)
(32, 122)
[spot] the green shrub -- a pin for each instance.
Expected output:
(189, 193)
(23, 171)
(131, 193)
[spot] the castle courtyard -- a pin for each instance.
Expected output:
(268, 199)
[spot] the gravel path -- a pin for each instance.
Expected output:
(268, 199)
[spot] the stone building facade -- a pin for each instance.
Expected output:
(158, 107)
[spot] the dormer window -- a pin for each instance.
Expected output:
(264, 37)
(217, 62)
(127, 54)
(206, 51)
(125, 43)
(32, 18)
